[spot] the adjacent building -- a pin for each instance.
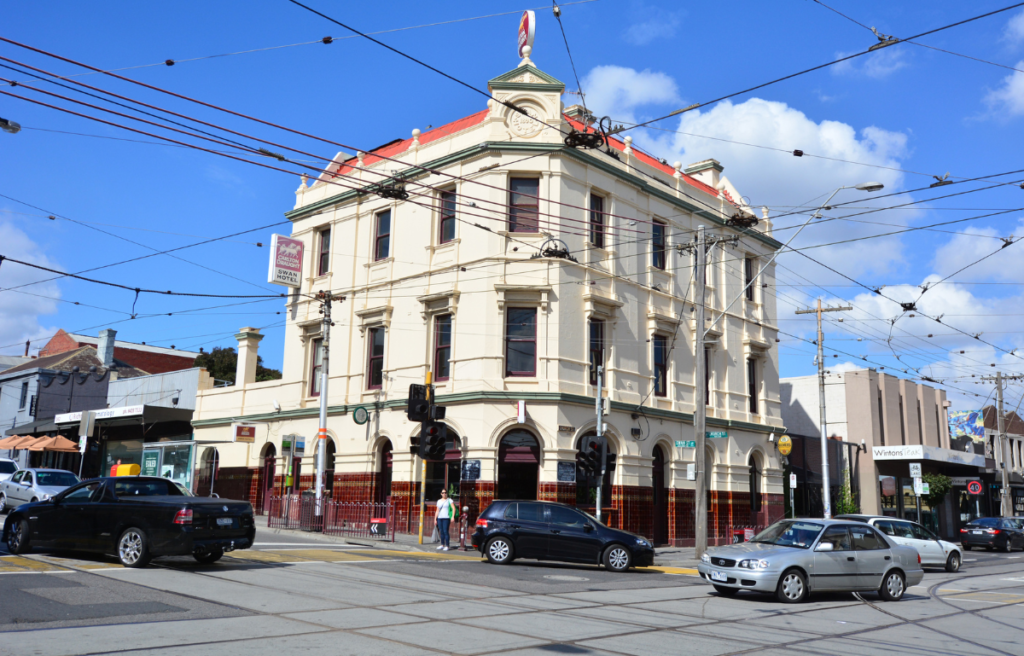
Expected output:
(467, 277)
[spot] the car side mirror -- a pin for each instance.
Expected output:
(825, 546)
(589, 528)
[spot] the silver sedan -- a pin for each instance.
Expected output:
(795, 557)
(31, 485)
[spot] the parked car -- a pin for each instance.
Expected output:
(7, 468)
(31, 485)
(934, 552)
(135, 518)
(992, 533)
(795, 557)
(553, 531)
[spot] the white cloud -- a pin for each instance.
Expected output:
(661, 27)
(966, 248)
(877, 65)
(1008, 100)
(20, 312)
(618, 91)
(1014, 31)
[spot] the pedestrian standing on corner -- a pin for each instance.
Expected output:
(443, 518)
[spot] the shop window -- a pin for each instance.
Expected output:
(520, 342)
(523, 204)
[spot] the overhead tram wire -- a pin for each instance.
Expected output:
(815, 68)
(923, 45)
(116, 225)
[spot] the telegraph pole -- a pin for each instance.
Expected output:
(325, 298)
(1005, 502)
(599, 406)
(700, 402)
(826, 492)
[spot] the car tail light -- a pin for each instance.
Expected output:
(482, 523)
(918, 559)
(963, 530)
(993, 531)
(183, 516)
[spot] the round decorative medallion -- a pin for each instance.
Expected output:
(525, 126)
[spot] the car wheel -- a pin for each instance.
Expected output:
(17, 537)
(617, 558)
(500, 551)
(953, 562)
(725, 591)
(133, 548)
(34, 500)
(893, 587)
(792, 588)
(1009, 545)
(208, 556)
(3, 502)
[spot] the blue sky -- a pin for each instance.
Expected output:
(905, 107)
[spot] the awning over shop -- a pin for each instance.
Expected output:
(919, 452)
(16, 442)
(56, 443)
(133, 414)
(33, 428)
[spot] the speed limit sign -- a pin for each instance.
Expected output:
(974, 487)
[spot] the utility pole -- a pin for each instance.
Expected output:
(826, 492)
(700, 401)
(325, 298)
(1005, 502)
(599, 406)
(423, 478)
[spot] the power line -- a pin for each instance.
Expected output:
(815, 68)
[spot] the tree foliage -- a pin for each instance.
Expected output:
(845, 503)
(939, 486)
(223, 362)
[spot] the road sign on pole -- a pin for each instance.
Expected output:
(918, 486)
(915, 470)
(792, 481)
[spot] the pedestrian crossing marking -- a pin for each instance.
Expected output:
(670, 570)
(444, 555)
(15, 564)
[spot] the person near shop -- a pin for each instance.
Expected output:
(443, 518)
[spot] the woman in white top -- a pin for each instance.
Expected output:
(443, 518)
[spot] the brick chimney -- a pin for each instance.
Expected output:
(105, 347)
(248, 348)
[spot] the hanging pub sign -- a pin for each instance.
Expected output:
(527, 30)
(244, 432)
(285, 261)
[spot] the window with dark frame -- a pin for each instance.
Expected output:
(748, 277)
(382, 238)
(316, 363)
(375, 366)
(755, 485)
(658, 245)
(659, 346)
(523, 204)
(520, 342)
(596, 348)
(442, 347)
(597, 221)
(752, 385)
(324, 253)
(24, 395)
(446, 227)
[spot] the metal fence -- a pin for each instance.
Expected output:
(367, 520)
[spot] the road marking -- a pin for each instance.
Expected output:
(670, 570)
(299, 544)
(22, 563)
(417, 554)
(970, 560)
(986, 596)
(287, 557)
(54, 571)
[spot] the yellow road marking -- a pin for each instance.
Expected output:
(262, 556)
(446, 555)
(23, 564)
(669, 570)
(992, 597)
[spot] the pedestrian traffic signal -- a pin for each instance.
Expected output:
(418, 408)
(433, 440)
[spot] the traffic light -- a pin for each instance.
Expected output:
(589, 458)
(433, 440)
(609, 463)
(418, 408)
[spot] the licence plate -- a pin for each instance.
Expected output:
(975, 532)
(225, 521)
(719, 576)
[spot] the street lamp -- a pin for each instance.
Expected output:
(9, 126)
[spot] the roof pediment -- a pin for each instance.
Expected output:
(526, 78)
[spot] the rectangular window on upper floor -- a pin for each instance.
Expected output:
(752, 385)
(442, 347)
(520, 342)
(316, 366)
(446, 223)
(375, 359)
(323, 263)
(596, 348)
(382, 236)
(523, 204)
(597, 221)
(24, 395)
(658, 229)
(659, 345)
(749, 274)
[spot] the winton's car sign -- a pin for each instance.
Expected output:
(285, 261)
(527, 28)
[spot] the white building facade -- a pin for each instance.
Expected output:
(454, 280)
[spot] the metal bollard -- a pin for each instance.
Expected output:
(462, 528)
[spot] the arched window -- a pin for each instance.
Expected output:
(446, 475)
(386, 466)
(586, 494)
(755, 482)
(518, 465)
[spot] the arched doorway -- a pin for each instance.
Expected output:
(586, 494)
(269, 471)
(209, 464)
(446, 474)
(384, 469)
(660, 496)
(330, 452)
(755, 483)
(518, 465)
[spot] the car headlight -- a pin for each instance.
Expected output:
(642, 542)
(754, 564)
(704, 558)
(45, 497)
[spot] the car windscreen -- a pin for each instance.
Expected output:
(988, 522)
(790, 534)
(125, 489)
(185, 492)
(8, 467)
(56, 479)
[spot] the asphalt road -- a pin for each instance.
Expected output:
(293, 594)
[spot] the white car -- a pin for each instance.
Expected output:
(7, 468)
(934, 552)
